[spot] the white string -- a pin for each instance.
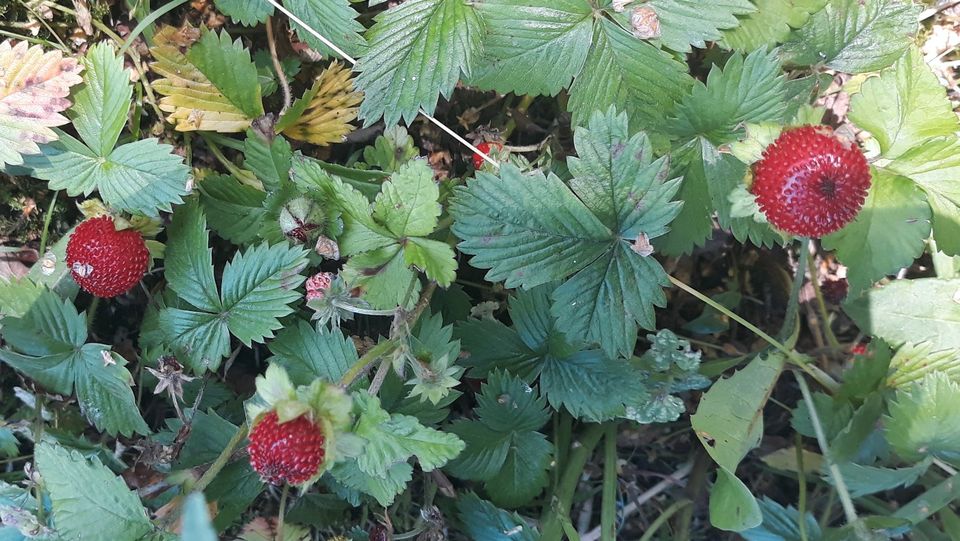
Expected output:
(353, 62)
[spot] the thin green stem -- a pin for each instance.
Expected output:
(92, 312)
(845, 500)
(147, 21)
(812, 370)
(46, 224)
(283, 510)
(821, 304)
(802, 482)
(558, 507)
(242, 175)
(663, 518)
(222, 459)
(608, 509)
(366, 360)
(363, 311)
(31, 39)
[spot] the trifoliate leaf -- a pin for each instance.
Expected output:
(144, 176)
(307, 353)
(257, 288)
(235, 211)
(543, 230)
(192, 99)
(934, 165)
(629, 73)
(391, 149)
(229, 67)
(533, 47)
(101, 105)
(335, 20)
(924, 419)
(747, 89)
(855, 36)
(484, 521)
(911, 311)
(111, 511)
(689, 22)
(246, 12)
(34, 86)
(270, 160)
(770, 23)
(324, 113)
(889, 232)
(50, 340)
(903, 107)
(417, 53)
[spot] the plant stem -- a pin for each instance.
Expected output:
(559, 506)
(368, 358)
(222, 459)
(812, 370)
(278, 67)
(845, 501)
(46, 224)
(821, 304)
(608, 509)
(147, 21)
(802, 482)
(379, 377)
(663, 518)
(242, 175)
(283, 510)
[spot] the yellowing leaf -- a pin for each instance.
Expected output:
(194, 103)
(323, 115)
(34, 86)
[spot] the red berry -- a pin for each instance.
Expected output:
(859, 349)
(104, 261)
(809, 183)
(484, 147)
(289, 452)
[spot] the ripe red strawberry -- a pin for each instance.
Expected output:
(484, 147)
(809, 183)
(104, 261)
(290, 452)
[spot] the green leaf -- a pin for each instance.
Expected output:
(235, 211)
(50, 337)
(308, 354)
(234, 489)
(524, 472)
(418, 51)
(863, 480)
(732, 506)
(691, 22)
(112, 510)
(482, 520)
(507, 404)
(335, 20)
(384, 277)
(491, 344)
(100, 107)
(436, 259)
(209, 434)
(750, 89)
(935, 165)
(17, 296)
(383, 489)
(396, 438)
(246, 12)
(391, 149)
(889, 232)
(484, 453)
(533, 47)
(229, 67)
(142, 177)
(924, 419)
(590, 386)
(903, 107)
(914, 361)
(270, 160)
(770, 23)
(188, 261)
(545, 231)
(196, 525)
(855, 36)
(782, 524)
(407, 204)
(623, 71)
(915, 311)
(693, 225)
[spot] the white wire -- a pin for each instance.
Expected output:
(353, 62)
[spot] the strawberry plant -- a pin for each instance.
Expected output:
(483, 270)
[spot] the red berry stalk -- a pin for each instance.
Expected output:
(809, 183)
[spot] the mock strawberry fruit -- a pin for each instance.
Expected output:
(809, 183)
(486, 148)
(297, 432)
(104, 261)
(290, 452)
